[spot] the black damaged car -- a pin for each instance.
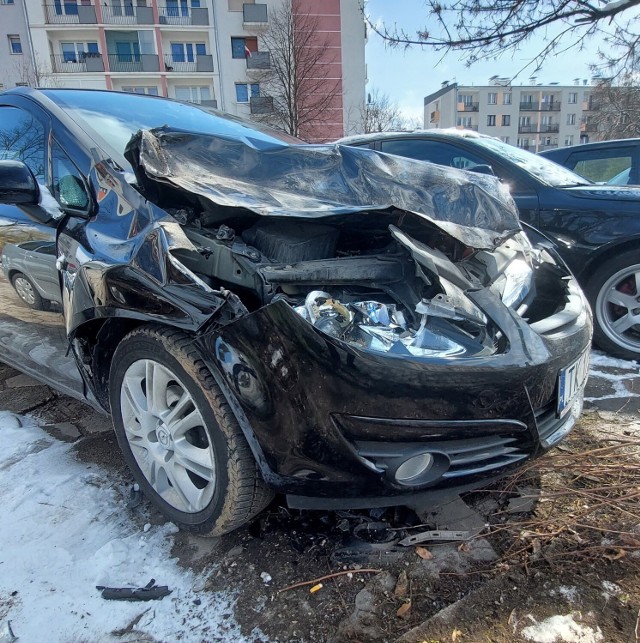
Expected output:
(345, 327)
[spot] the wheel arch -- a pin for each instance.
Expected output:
(604, 254)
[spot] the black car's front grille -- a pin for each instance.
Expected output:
(482, 455)
(551, 428)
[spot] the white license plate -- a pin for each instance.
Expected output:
(571, 380)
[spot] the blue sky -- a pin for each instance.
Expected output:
(409, 75)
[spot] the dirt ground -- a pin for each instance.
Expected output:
(559, 540)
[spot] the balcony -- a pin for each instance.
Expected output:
(261, 104)
(468, 107)
(434, 117)
(259, 60)
(551, 107)
(128, 63)
(80, 64)
(551, 146)
(209, 103)
(69, 13)
(530, 106)
(589, 127)
(591, 105)
(467, 127)
(527, 129)
(550, 128)
(127, 15)
(254, 14)
(181, 64)
(183, 15)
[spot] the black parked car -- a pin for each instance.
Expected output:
(595, 228)
(349, 328)
(612, 162)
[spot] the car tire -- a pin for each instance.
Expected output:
(27, 292)
(614, 294)
(182, 442)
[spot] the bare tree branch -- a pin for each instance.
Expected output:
(487, 29)
(381, 114)
(616, 109)
(299, 78)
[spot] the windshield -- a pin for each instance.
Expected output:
(541, 168)
(115, 116)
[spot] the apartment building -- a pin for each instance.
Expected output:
(204, 51)
(16, 55)
(533, 117)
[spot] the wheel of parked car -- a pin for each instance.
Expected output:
(179, 436)
(27, 292)
(614, 293)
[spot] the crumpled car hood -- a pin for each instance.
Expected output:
(319, 181)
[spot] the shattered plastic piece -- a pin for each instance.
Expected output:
(6, 633)
(442, 535)
(316, 588)
(149, 592)
(135, 497)
(266, 578)
(374, 532)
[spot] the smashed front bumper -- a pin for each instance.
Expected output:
(330, 424)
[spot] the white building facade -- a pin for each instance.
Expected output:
(204, 51)
(532, 117)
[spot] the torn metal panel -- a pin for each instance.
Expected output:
(320, 181)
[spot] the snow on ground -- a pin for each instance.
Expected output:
(601, 365)
(64, 530)
(561, 629)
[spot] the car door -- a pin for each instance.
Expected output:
(32, 331)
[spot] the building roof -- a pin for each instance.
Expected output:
(441, 92)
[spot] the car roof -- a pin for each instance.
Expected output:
(619, 142)
(451, 132)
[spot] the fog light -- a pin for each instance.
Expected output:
(413, 468)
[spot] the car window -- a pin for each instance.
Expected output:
(599, 165)
(22, 138)
(67, 183)
(434, 151)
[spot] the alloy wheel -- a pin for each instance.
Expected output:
(24, 290)
(167, 436)
(617, 308)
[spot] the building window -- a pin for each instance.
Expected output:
(73, 52)
(464, 121)
(505, 139)
(523, 143)
(573, 97)
(547, 120)
(195, 94)
(466, 99)
(175, 8)
(506, 99)
(243, 90)
(186, 52)
(6, 1)
(150, 91)
(571, 119)
(491, 120)
(493, 98)
(15, 46)
(568, 140)
(506, 120)
(243, 47)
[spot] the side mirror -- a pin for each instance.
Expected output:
(18, 186)
(481, 168)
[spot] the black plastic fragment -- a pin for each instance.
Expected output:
(150, 592)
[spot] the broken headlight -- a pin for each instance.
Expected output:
(377, 326)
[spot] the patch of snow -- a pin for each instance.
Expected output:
(610, 589)
(65, 531)
(598, 358)
(568, 592)
(562, 629)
